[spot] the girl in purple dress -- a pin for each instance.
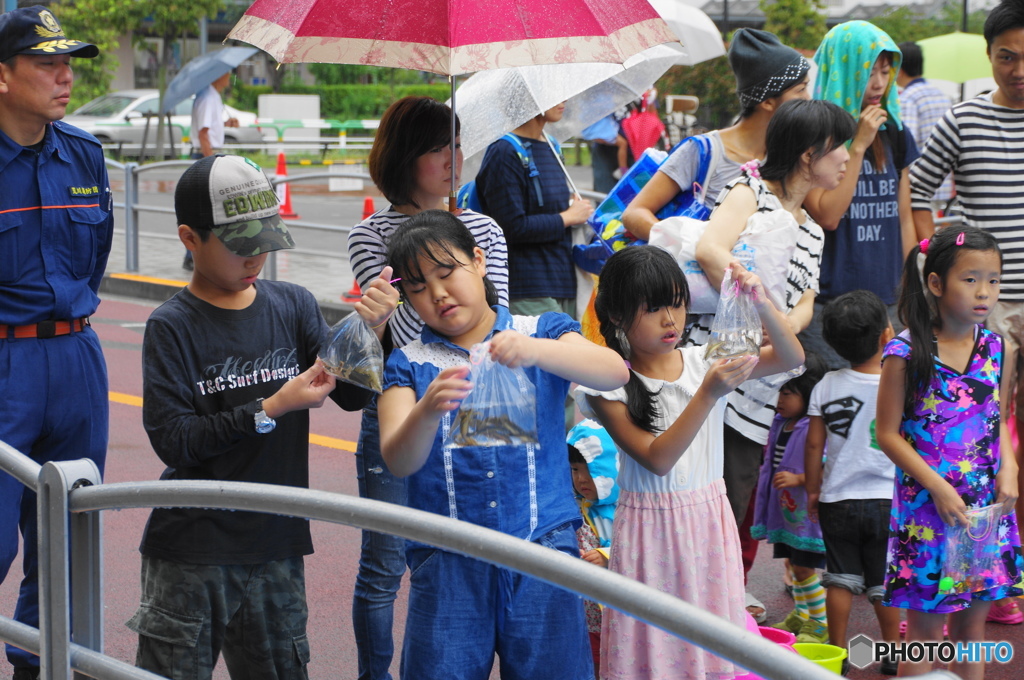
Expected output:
(940, 421)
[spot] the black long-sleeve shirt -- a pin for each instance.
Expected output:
(203, 369)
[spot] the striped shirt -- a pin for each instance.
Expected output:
(982, 143)
(367, 254)
(752, 418)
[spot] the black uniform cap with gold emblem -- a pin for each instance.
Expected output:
(34, 30)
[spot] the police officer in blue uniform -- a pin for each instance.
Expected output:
(55, 232)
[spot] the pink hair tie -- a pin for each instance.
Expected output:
(960, 239)
(924, 246)
(751, 167)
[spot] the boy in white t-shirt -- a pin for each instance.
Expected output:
(852, 496)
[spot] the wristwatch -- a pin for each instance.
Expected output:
(264, 423)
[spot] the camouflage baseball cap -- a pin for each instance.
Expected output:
(232, 197)
(34, 30)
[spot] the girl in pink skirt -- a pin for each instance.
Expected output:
(673, 527)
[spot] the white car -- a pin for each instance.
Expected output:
(120, 118)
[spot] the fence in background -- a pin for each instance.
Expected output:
(132, 206)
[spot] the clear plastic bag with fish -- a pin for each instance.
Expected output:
(736, 329)
(972, 560)
(351, 352)
(501, 409)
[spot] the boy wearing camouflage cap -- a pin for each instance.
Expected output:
(229, 375)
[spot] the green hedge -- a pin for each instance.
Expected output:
(342, 102)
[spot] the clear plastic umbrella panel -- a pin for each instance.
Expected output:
(700, 38)
(491, 103)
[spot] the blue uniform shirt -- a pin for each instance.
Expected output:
(491, 484)
(56, 226)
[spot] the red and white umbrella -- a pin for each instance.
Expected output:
(452, 37)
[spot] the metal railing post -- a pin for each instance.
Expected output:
(55, 481)
(131, 217)
(87, 579)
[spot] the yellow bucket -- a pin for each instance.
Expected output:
(827, 656)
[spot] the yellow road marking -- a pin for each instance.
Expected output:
(332, 443)
(149, 279)
(318, 439)
(121, 398)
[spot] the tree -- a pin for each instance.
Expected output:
(712, 82)
(905, 23)
(797, 23)
(168, 19)
(99, 22)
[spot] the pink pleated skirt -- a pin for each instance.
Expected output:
(684, 543)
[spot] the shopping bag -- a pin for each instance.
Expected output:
(501, 409)
(606, 220)
(765, 247)
(736, 328)
(351, 352)
(971, 558)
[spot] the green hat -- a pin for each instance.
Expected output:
(232, 197)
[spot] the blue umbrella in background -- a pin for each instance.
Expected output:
(201, 72)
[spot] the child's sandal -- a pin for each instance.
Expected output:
(1007, 614)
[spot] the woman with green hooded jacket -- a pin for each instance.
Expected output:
(868, 224)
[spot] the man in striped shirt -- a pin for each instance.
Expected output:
(982, 142)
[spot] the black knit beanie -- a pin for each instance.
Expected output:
(763, 66)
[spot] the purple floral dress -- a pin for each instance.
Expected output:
(955, 428)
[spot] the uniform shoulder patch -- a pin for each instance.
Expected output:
(73, 131)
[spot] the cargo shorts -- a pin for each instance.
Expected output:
(255, 614)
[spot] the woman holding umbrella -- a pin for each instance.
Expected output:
(411, 163)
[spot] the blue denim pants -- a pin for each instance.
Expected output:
(381, 558)
(54, 406)
(463, 611)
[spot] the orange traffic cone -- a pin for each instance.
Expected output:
(284, 196)
(355, 292)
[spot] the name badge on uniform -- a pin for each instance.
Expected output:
(84, 192)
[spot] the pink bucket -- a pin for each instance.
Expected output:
(778, 636)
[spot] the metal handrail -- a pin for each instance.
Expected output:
(609, 588)
(85, 496)
(90, 662)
